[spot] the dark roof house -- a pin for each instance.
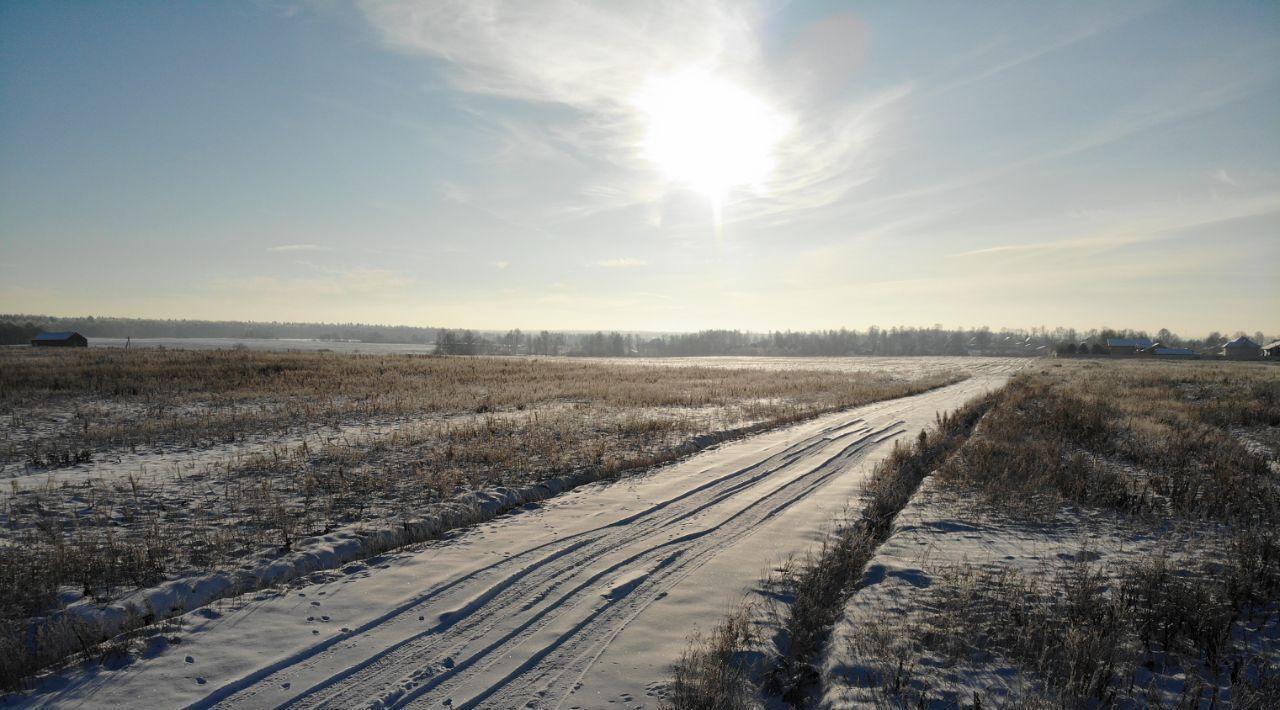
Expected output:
(1140, 343)
(64, 339)
(1242, 349)
(1128, 346)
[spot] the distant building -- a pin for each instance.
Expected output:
(66, 339)
(1272, 349)
(1242, 349)
(1128, 346)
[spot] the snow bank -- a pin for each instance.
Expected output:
(331, 551)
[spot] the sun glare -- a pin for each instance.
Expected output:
(710, 134)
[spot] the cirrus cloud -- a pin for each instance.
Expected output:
(625, 262)
(597, 59)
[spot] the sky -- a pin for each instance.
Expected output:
(656, 165)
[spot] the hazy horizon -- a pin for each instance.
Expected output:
(655, 167)
(1080, 332)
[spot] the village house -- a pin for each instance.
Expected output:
(1128, 346)
(1242, 348)
(1272, 349)
(63, 339)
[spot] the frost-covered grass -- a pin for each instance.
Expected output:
(326, 442)
(59, 401)
(714, 670)
(1158, 439)
(1130, 452)
(1170, 628)
(1150, 492)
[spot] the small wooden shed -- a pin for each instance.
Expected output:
(63, 339)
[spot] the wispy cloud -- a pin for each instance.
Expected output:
(832, 153)
(452, 192)
(1138, 229)
(625, 262)
(1192, 92)
(355, 282)
(1086, 27)
(597, 59)
(590, 56)
(298, 247)
(501, 264)
(1099, 242)
(1222, 176)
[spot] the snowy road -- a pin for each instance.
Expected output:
(581, 602)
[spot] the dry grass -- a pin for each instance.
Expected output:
(1160, 444)
(60, 401)
(1172, 631)
(346, 440)
(821, 583)
(714, 672)
(826, 579)
(1153, 438)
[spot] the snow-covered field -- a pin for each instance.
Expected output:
(941, 539)
(583, 600)
(907, 633)
(1105, 538)
(902, 367)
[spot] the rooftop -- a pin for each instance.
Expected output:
(1241, 342)
(1129, 342)
(59, 335)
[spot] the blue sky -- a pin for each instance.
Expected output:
(649, 166)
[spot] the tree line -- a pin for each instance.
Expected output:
(894, 341)
(103, 327)
(873, 341)
(14, 333)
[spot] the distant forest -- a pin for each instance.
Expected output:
(19, 329)
(94, 327)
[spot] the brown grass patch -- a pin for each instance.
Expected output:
(361, 439)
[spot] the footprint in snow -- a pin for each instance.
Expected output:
(200, 679)
(190, 659)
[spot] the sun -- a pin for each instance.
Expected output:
(710, 134)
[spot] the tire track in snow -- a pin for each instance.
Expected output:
(469, 609)
(439, 677)
(562, 671)
(525, 630)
